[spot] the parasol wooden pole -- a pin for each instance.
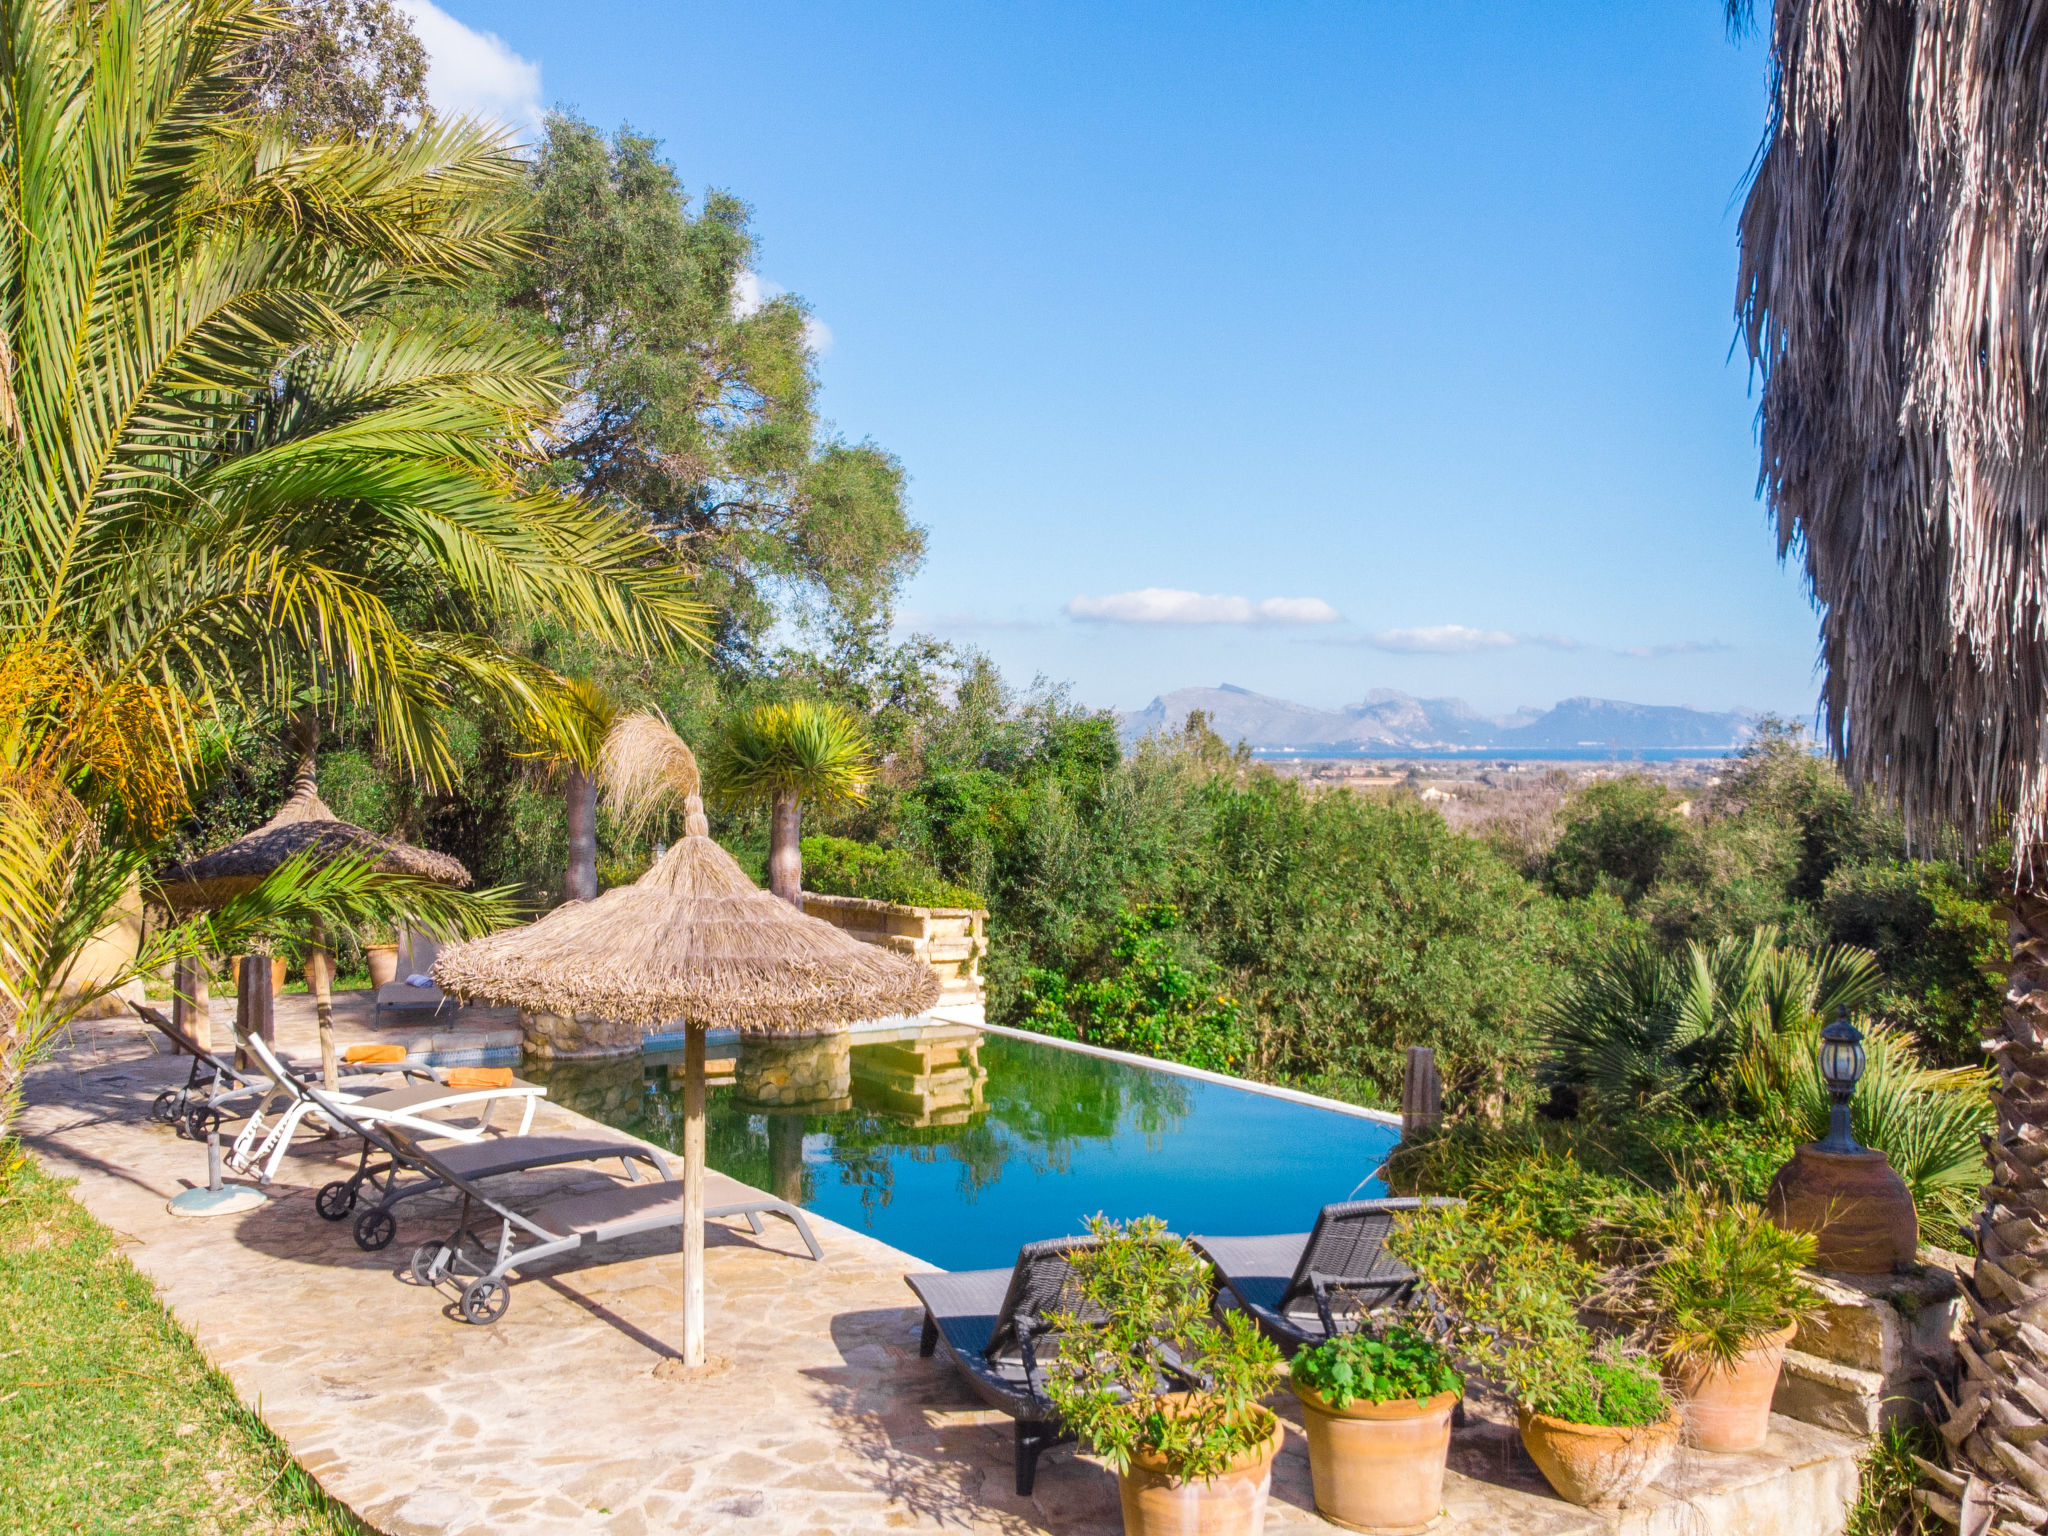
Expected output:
(693, 1196)
(320, 981)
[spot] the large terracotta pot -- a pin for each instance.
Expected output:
(1598, 1466)
(1856, 1206)
(1728, 1407)
(383, 963)
(1378, 1466)
(1232, 1503)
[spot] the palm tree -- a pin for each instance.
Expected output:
(1894, 246)
(243, 455)
(230, 464)
(781, 755)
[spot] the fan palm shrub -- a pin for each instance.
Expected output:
(1645, 1030)
(781, 755)
(1893, 243)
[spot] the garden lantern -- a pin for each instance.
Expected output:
(1841, 1066)
(1849, 1197)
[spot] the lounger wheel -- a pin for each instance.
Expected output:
(484, 1301)
(168, 1107)
(336, 1200)
(199, 1120)
(428, 1264)
(375, 1228)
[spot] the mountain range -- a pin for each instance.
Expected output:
(1386, 720)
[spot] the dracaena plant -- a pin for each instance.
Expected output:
(1143, 1366)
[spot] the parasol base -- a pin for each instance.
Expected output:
(673, 1369)
(228, 1200)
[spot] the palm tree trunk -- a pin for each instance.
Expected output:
(580, 884)
(785, 853)
(1998, 1415)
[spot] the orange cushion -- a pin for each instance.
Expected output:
(361, 1055)
(479, 1077)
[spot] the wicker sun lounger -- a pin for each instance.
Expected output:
(1302, 1287)
(563, 1225)
(992, 1323)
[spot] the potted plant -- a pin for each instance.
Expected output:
(1377, 1412)
(1596, 1421)
(1164, 1393)
(1726, 1298)
(380, 953)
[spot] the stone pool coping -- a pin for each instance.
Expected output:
(570, 1416)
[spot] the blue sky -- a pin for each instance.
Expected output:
(1311, 348)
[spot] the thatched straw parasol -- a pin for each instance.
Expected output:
(303, 824)
(692, 939)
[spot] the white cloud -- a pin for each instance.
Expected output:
(1441, 640)
(750, 290)
(1675, 648)
(472, 73)
(1168, 605)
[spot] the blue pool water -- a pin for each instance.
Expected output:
(958, 1145)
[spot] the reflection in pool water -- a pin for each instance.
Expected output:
(958, 1146)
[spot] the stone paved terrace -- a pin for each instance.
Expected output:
(569, 1414)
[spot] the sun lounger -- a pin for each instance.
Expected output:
(475, 1161)
(412, 1107)
(993, 1325)
(215, 1083)
(1302, 1287)
(403, 998)
(562, 1225)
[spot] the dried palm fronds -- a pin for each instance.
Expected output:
(643, 766)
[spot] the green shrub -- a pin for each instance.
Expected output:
(1157, 1000)
(838, 866)
(1510, 1299)
(1381, 1368)
(1141, 1318)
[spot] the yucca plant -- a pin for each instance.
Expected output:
(1724, 1277)
(781, 755)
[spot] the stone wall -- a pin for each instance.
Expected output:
(1872, 1356)
(951, 940)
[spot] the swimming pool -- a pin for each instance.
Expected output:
(958, 1144)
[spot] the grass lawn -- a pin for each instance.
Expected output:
(109, 1418)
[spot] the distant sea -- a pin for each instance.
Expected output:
(1495, 755)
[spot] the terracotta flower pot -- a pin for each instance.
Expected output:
(383, 962)
(277, 970)
(1378, 1466)
(1232, 1503)
(1598, 1466)
(1728, 1407)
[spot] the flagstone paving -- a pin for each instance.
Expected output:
(571, 1413)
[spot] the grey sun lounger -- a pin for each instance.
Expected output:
(562, 1225)
(475, 1161)
(991, 1324)
(1302, 1287)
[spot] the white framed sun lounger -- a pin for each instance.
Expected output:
(406, 1107)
